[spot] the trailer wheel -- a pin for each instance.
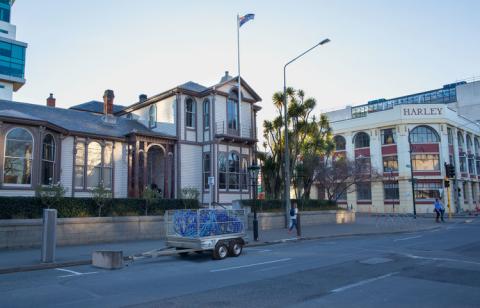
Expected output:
(235, 248)
(220, 252)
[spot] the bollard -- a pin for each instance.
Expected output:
(255, 225)
(49, 235)
(299, 228)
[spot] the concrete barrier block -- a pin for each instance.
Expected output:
(108, 259)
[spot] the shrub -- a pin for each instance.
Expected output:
(32, 207)
(50, 195)
(101, 195)
(190, 193)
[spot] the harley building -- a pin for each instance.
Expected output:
(442, 127)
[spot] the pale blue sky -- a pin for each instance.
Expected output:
(77, 49)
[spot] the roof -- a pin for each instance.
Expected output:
(74, 121)
(192, 86)
(95, 106)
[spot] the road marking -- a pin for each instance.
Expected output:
(259, 250)
(363, 282)
(406, 238)
(249, 265)
(73, 273)
(440, 259)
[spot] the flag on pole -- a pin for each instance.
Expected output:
(244, 19)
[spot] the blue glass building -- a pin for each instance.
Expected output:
(12, 54)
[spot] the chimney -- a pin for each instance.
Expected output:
(108, 97)
(226, 77)
(51, 101)
(142, 98)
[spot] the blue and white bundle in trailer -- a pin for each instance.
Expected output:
(220, 231)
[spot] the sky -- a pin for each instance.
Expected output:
(378, 49)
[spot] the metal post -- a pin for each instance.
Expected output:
(449, 208)
(411, 176)
(255, 225)
(49, 235)
(287, 152)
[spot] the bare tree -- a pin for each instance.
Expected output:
(339, 176)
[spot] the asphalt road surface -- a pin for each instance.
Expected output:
(439, 268)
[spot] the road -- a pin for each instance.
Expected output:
(439, 268)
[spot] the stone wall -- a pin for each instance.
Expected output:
(18, 233)
(22, 233)
(268, 221)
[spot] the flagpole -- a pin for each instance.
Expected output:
(239, 82)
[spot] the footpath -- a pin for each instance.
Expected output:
(29, 259)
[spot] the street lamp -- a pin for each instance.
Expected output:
(285, 108)
(253, 170)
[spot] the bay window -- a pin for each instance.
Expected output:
(17, 167)
(48, 159)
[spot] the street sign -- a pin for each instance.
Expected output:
(211, 180)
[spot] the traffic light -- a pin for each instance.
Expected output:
(450, 170)
(459, 192)
(447, 183)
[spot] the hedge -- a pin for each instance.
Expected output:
(279, 205)
(32, 207)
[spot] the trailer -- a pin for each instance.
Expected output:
(220, 231)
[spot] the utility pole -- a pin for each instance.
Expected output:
(411, 176)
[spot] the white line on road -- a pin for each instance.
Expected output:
(406, 238)
(440, 259)
(363, 282)
(73, 273)
(259, 250)
(249, 265)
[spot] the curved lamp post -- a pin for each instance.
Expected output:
(285, 101)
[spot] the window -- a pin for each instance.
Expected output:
(18, 157)
(206, 114)
(233, 171)
(244, 174)
(94, 164)
(477, 146)
(469, 143)
(450, 136)
(12, 59)
(152, 116)
(427, 190)
(232, 114)
(79, 165)
(340, 143)
(222, 171)
(364, 191)
(464, 192)
(424, 134)
(461, 142)
(391, 190)
(5, 11)
(48, 160)
(362, 140)
(425, 162)
(388, 136)
(190, 112)
(363, 164)
(107, 171)
(96, 167)
(463, 164)
(206, 169)
(342, 192)
(478, 166)
(390, 163)
(471, 165)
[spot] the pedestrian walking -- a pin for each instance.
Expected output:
(293, 218)
(439, 209)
